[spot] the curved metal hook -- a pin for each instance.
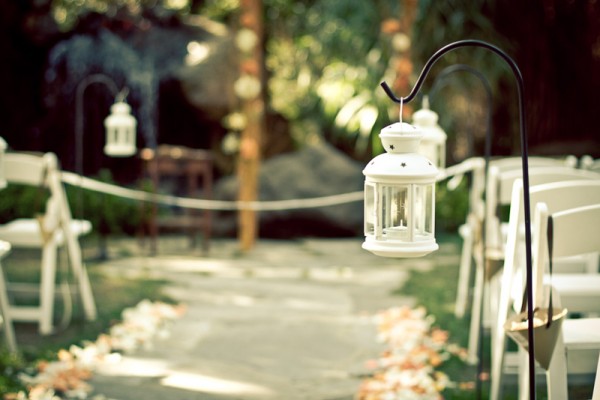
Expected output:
(438, 54)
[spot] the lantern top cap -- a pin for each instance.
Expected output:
(120, 107)
(400, 137)
(425, 116)
(401, 128)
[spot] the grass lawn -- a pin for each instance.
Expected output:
(112, 295)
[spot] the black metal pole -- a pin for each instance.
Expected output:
(524, 162)
(79, 125)
(79, 120)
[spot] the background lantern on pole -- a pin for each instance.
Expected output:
(433, 143)
(120, 130)
(400, 196)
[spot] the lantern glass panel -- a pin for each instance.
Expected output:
(370, 209)
(423, 211)
(396, 211)
(430, 210)
(419, 210)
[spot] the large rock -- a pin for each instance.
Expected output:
(314, 171)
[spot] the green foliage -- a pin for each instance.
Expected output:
(66, 13)
(326, 61)
(219, 10)
(10, 366)
(19, 201)
(108, 214)
(451, 206)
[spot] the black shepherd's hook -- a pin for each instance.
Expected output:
(524, 156)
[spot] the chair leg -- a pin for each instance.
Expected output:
(464, 275)
(89, 306)
(473, 347)
(499, 338)
(556, 376)
(9, 332)
(496, 381)
(47, 287)
(524, 375)
(79, 270)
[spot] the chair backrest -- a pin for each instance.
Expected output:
(576, 231)
(40, 170)
(557, 196)
(508, 163)
(29, 169)
(538, 176)
(500, 191)
(502, 173)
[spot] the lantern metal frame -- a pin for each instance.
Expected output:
(524, 165)
(120, 128)
(118, 95)
(400, 196)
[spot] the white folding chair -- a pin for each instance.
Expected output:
(54, 231)
(470, 231)
(558, 196)
(499, 193)
(9, 333)
(502, 173)
(575, 231)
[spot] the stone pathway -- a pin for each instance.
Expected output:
(288, 320)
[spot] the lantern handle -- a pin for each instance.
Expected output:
(524, 161)
(122, 95)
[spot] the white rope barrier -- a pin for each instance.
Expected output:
(203, 204)
(222, 205)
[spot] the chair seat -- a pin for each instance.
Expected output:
(581, 333)
(578, 292)
(581, 338)
(25, 232)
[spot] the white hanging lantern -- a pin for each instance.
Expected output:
(3, 147)
(433, 143)
(120, 131)
(400, 196)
